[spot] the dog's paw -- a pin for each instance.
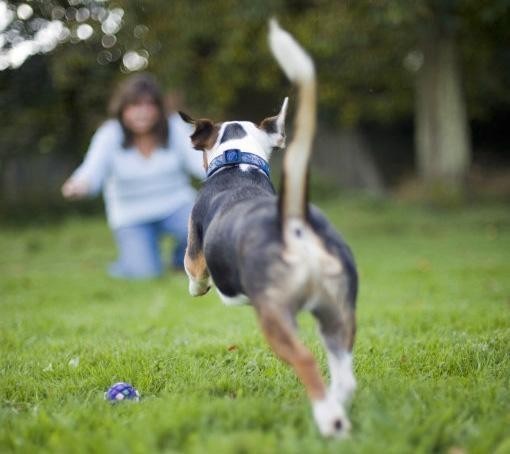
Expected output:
(198, 288)
(330, 418)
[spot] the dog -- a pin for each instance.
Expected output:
(276, 251)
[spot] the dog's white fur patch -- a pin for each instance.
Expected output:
(330, 417)
(238, 300)
(295, 62)
(255, 141)
(343, 382)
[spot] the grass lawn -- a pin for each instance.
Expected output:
(432, 355)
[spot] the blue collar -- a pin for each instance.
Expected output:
(234, 157)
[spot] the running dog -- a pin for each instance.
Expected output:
(276, 252)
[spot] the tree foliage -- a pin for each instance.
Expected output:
(216, 53)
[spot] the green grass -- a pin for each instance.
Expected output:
(432, 355)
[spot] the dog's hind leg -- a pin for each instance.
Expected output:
(279, 330)
(337, 326)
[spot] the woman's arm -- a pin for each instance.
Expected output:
(88, 178)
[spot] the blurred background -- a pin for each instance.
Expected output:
(414, 96)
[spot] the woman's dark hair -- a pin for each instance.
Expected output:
(130, 92)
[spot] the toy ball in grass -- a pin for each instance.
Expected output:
(122, 391)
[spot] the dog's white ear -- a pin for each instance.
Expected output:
(205, 134)
(275, 126)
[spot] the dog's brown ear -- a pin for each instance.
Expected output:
(186, 118)
(274, 127)
(205, 134)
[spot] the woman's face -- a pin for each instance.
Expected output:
(141, 116)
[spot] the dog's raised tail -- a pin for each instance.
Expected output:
(299, 68)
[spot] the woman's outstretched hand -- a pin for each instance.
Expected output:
(74, 189)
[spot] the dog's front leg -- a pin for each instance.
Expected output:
(199, 280)
(195, 265)
(280, 332)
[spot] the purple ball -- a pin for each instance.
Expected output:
(122, 391)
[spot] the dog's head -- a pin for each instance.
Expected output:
(214, 138)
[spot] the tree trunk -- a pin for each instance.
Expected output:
(345, 157)
(443, 148)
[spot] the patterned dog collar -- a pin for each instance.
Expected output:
(234, 157)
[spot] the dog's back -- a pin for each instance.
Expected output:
(244, 246)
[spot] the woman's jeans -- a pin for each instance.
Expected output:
(139, 250)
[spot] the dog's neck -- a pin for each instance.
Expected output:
(237, 158)
(248, 156)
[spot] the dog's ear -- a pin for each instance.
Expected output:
(275, 126)
(205, 134)
(186, 118)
